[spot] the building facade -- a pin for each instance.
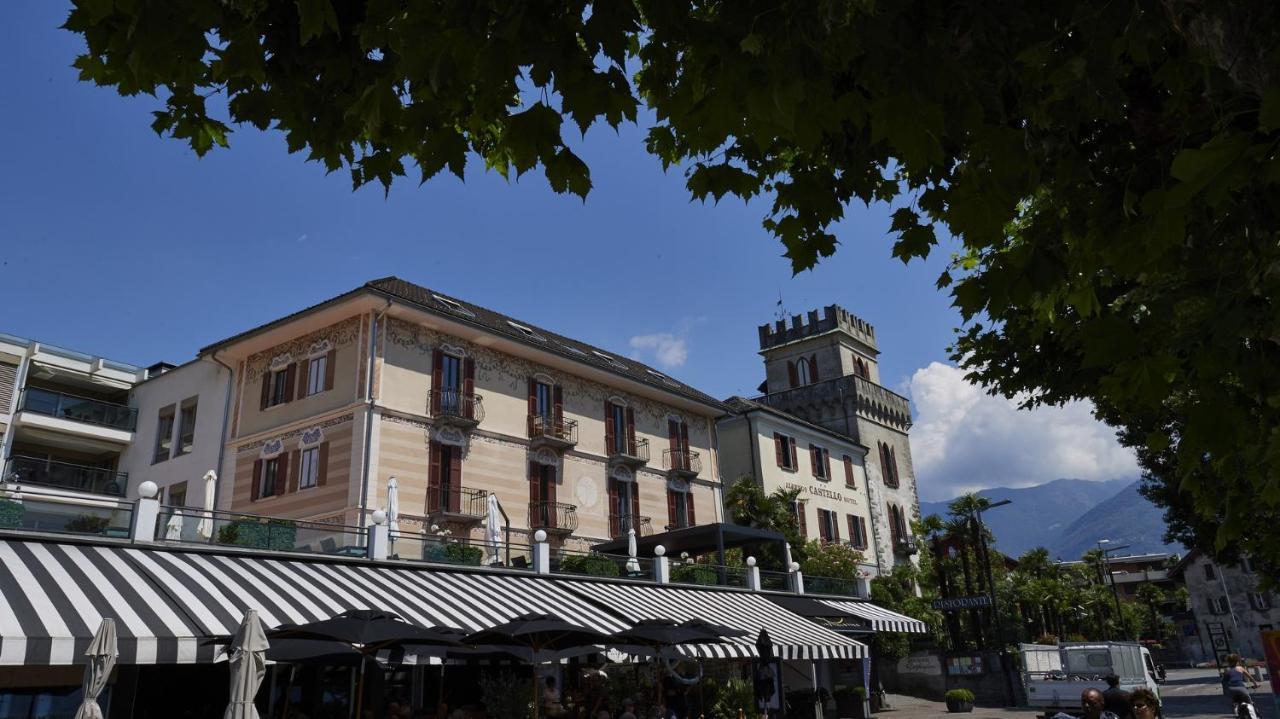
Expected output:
(456, 402)
(824, 370)
(1227, 602)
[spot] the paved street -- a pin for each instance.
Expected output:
(1187, 693)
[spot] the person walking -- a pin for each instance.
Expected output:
(1116, 699)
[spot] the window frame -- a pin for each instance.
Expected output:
(789, 454)
(309, 468)
(317, 371)
(279, 388)
(803, 378)
(270, 468)
(189, 408)
(164, 434)
(1210, 573)
(821, 462)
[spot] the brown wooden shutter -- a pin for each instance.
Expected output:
(673, 438)
(631, 430)
(672, 517)
(813, 368)
(437, 373)
(800, 520)
(330, 368)
(893, 462)
(295, 464)
(557, 399)
(455, 480)
(266, 389)
(813, 460)
(823, 536)
(791, 446)
(614, 525)
(551, 488)
(688, 507)
(469, 388)
(282, 473)
(535, 428)
(291, 376)
(780, 449)
(635, 504)
(835, 525)
(848, 471)
(322, 465)
(609, 429)
(255, 482)
(853, 529)
(893, 524)
(535, 485)
(433, 478)
(862, 533)
(304, 370)
(826, 464)
(684, 444)
(792, 375)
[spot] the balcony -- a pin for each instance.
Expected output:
(620, 524)
(628, 451)
(78, 409)
(682, 462)
(456, 408)
(551, 432)
(63, 475)
(554, 517)
(678, 524)
(461, 505)
(907, 544)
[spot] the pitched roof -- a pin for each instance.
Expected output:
(459, 310)
(741, 405)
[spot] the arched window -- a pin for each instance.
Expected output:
(804, 373)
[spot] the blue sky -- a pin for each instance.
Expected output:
(118, 242)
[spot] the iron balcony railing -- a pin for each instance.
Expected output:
(457, 501)
(452, 404)
(558, 430)
(620, 524)
(64, 475)
(907, 543)
(679, 524)
(622, 447)
(78, 409)
(682, 460)
(553, 516)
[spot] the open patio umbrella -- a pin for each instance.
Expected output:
(205, 527)
(173, 527)
(248, 651)
(493, 528)
(102, 653)
(538, 633)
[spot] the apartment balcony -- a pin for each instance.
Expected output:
(554, 517)
(678, 524)
(620, 524)
(682, 462)
(24, 471)
(907, 544)
(68, 414)
(457, 505)
(550, 432)
(456, 408)
(628, 451)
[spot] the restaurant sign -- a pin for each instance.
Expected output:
(955, 604)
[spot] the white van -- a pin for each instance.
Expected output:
(1056, 675)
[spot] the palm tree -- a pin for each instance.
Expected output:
(747, 504)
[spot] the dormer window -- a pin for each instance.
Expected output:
(608, 359)
(453, 305)
(572, 349)
(526, 331)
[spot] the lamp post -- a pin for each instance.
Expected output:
(991, 587)
(1115, 594)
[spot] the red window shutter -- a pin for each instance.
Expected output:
(813, 368)
(780, 449)
(551, 485)
(862, 529)
(534, 427)
(853, 529)
(295, 465)
(635, 503)
(673, 438)
(469, 387)
(266, 389)
(557, 398)
(437, 373)
(684, 437)
(631, 429)
(322, 470)
(792, 375)
(255, 483)
(610, 439)
(614, 525)
(291, 376)
(433, 478)
(671, 508)
(535, 483)
(304, 369)
(455, 477)
(848, 471)
(688, 507)
(330, 368)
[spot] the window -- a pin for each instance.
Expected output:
(1208, 571)
(888, 465)
(680, 509)
(526, 331)
(317, 371)
(820, 459)
(1219, 605)
(803, 376)
(269, 480)
(619, 430)
(785, 450)
(608, 359)
(164, 435)
(178, 494)
(309, 468)
(1259, 601)
(849, 480)
(187, 427)
(857, 531)
(453, 305)
(828, 526)
(544, 404)
(797, 508)
(444, 479)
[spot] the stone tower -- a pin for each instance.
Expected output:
(825, 370)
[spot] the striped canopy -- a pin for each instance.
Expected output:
(879, 618)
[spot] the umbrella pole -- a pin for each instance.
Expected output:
(288, 691)
(360, 688)
(440, 689)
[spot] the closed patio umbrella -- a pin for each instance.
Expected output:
(393, 511)
(173, 527)
(493, 528)
(205, 527)
(633, 564)
(248, 651)
(102, 653)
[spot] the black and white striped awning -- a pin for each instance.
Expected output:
(879, 618)
(794, 637)
(167, 603)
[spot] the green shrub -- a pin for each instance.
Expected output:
(959, 695)
(255, 533)
(846, 692)
(452, 553)
(694, 574)
(87, 524)
(11, 514)
(592, 564)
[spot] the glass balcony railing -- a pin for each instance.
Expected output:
(22, 470)
(78, 409)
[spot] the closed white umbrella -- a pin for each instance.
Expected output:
(205, 527)
(102, 653)
(633, 564)
(248, 651)
(493, 528)
(393, 505)
(173, 528)
(786, 555)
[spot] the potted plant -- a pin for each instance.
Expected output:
(850, 702)
(959, 700)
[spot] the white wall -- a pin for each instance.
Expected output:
(203, 379)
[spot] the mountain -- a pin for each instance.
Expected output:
(1039, 514)
(1125, 518)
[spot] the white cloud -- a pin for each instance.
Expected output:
(665, 348)
(964, 439)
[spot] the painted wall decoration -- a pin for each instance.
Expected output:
(325, 425)
(271, 448)
(587, 492)
(544, 457)
(342, 334)
(319, 347)
(311, 437)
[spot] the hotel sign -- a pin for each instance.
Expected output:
(821, 492)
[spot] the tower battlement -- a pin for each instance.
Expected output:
(833, 317)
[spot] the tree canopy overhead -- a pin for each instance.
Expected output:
(1110, 168)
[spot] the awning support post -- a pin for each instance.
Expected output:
(753, 575)
(379, 536)
(661, 565)
(146, 512)
(541, 553)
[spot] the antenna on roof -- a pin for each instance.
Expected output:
(780, 313)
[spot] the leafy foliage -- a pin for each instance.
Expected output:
(835, 560)
(747, 504)
(1110, 168)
